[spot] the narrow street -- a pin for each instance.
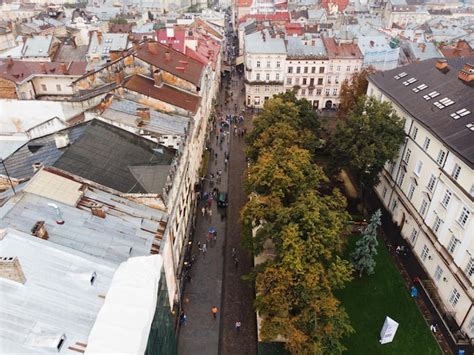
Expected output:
(216, 276)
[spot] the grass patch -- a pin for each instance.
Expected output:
(368, 300)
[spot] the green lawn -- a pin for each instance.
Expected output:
(369, 299)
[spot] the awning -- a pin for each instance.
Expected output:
(239, 60)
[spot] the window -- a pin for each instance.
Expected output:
(297, 81)
(330, 68)
(464, 216)
(414, 133)
(319, 92)
(413, 235)
(327, 92)
(456, 172)
(426, 144)
(267, 88)
(336, 80)
(290, 70)
(423, 207)
(454, 298)
(401, 178)
(438, 273)
(258, 64)
(469, 269)
(304, 81)
(446, 198)
(441, 156)
(257, 76)
(311, 82)
(320, 81)
(384, 192)
(288, 81)
(257, 88)
(321, 70)
(298, 70)
(58, 87)
(310, 92)
(43, 87)
(437, 223)
(277, 76)
(348, 68)
(278, 64)
(334, 92)
(431, 182)
(303, 92)
(268, 64)
(419, 165)
(305, 70)
(313, 70)
(394, 205)
(453, 243)
(338, 68)
(267, 77)
(407, 156)
(424, 252)
(411, 191)
(329, 80)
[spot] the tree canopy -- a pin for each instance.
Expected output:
(305, 227)
(352, 89)
(370, 137)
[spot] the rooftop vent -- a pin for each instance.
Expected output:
(143, 114)
(10, 268)
(62, 140)
(39, 230)
(37, 166)
(98, 212)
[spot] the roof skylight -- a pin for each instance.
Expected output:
(470, 126)
(460, 113)
(410, 81)
(420, 88)
(443, 103)
(431, 95)
(401, 75)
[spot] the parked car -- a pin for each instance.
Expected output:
(222, 199)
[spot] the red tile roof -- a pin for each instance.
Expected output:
(155, 54)
(341, 4)
(294, 29)
(276, 17)
(461, 49)
(18, 71)
(244, 3)
(200, 24)
(177, 41)
(344, 50)
(165, 93)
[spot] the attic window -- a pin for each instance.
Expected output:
(401, 75)
(93, 277)
(420, 88)
(460, 113)
(410, 81)
(443, 103)
(431, 95)
(61, 342)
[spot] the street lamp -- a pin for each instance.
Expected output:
(8, 176)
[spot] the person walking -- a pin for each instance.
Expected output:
(204, 249)
(203, 210)
(214, 311)
(238, 324)
(183, 318)
(236, 262)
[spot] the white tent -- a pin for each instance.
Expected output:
(388, 331)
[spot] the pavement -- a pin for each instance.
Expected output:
(216, 280)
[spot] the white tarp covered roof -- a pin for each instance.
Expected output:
(123, 324)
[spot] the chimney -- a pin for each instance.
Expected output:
(63, 68)
(467, 73)
(422, 46)
(43, 68)
(157, 78)
(168, 56)
(9, 61)
(39, 230)
(99, 37)
(98, 212)
(441, 64)
(170, 32)
(153, 47)
(61, 140)
(36, 167)
(144, 114)
(10, 268)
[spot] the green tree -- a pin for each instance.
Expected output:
(119, 21)
(369, 138)
(352, 89)
(363, 257)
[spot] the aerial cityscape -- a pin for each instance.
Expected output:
(241, 177)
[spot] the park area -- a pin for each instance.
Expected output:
(369, 299)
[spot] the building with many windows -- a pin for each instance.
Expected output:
(429, 189)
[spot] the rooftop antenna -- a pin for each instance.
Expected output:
(59, 216)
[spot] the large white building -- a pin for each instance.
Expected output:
(313, 67)
(429, 189)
